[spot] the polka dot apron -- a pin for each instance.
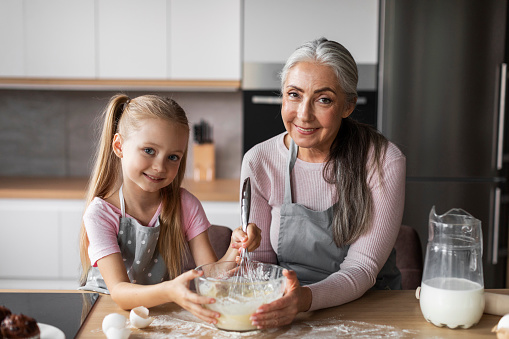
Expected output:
(142, 260)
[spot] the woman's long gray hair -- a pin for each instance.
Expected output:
(347, 164)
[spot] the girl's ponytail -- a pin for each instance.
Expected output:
(105, 173)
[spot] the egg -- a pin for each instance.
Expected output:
(139, 317)
(502, 328)
(114, 326)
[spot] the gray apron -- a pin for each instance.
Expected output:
(142, 260)
(306, 244)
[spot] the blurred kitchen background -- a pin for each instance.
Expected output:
(431, 79)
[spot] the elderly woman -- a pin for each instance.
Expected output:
(328, 193)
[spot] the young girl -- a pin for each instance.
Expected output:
(139, 222)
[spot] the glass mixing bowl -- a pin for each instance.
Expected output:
(239, 293)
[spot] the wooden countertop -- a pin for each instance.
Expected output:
(74, 188)
(376, 314)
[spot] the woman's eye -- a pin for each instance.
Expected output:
(174, 157)
(325, 100)
(293, 94)
(149, 151)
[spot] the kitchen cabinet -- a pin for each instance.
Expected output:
(274, 29)
(11, 38)
(132, 39)
(205, 39)
(119, 44)
(39, 239)
(59, 39)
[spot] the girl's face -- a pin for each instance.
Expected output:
(313, 106)
(151, 155)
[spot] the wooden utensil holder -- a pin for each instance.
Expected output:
(204, 164)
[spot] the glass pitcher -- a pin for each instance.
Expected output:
(452, 288)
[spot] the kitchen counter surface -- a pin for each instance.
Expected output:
(376, 314)
(74, 188)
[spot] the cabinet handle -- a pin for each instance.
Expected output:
(501, 115)
(267, 100)
(496, 226)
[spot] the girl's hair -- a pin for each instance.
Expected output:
(123, 115)
(347, 163)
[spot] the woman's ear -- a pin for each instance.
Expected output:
(117, 145)
(349, 109)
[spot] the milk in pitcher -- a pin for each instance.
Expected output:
(452, 302)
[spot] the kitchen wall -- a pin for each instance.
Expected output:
(53, 133)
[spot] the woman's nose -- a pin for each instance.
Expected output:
(305, 111)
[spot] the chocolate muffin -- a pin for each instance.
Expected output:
(4, 312)
(19, 326)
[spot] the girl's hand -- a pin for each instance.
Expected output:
(180, 294)
(250, 240)
(282, 311)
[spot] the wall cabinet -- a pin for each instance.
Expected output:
(274, 29)
(119, 39)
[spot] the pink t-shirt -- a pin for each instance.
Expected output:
(266, 165)
(102, 221)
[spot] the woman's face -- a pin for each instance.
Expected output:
(313, 106)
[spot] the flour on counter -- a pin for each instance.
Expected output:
(182, 324)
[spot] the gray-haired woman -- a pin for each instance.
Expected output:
(328, 193)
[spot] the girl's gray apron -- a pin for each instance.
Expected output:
(143, 262)
(306, 244)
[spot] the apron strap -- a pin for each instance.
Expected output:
(122, 202)
(292, 158)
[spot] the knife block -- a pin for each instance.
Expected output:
(204, 164)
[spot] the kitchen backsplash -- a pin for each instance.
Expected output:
(54, 133)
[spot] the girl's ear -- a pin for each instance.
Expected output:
(117, 145)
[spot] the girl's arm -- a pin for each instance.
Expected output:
(128, 295)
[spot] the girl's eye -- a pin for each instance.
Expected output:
(149, 150)
(174, 157)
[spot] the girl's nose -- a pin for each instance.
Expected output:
(158, 164)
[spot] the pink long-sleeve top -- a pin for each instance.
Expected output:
(266, 164)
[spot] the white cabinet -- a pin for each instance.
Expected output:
(39, 238)
(132, 39)
(11, 38)
(59, 38)
(121, 39)
(273, 29)
(205, 39)
(223, 213)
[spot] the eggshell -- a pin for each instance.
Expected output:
(504, 322)
(113, 320)
(139, 317)
(502, 328)
(117, 333)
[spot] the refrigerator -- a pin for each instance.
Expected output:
(442, 91)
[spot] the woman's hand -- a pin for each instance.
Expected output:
(282, 311)
(250, 240)
(178, 289)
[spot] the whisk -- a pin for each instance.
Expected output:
(245, 272)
